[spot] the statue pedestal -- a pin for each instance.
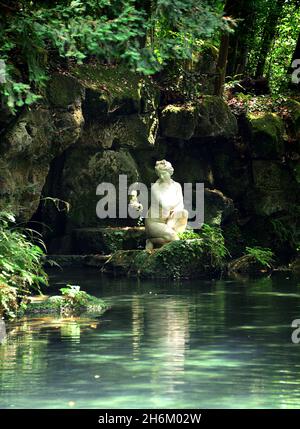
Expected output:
(181, 259)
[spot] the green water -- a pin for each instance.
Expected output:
(162, 345)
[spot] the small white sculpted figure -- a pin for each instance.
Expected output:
(166, 216)
(134, 202)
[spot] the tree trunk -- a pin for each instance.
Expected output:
(240, 40)
(268, 36)
(229, 9)
(221, 65)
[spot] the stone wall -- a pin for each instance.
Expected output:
(98, 122)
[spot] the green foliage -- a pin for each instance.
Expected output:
(284, 38)
(263, 255)
(206, 247)
(279, 58)
(74, 298)
(188, 235)
(114, 240)
(214, 243)
(177, 255)
(73, 302)
(8, 300)
(36, 33)
(287, 229)
(20, 262)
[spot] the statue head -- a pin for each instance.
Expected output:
(164, 169)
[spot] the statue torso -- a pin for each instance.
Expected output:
(164, 198)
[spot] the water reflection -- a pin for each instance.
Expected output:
(200, 344)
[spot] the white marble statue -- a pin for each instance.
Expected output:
(166, 216)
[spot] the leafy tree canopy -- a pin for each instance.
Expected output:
(145, 35)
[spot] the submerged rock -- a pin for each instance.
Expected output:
(61, 260)
(90, 305)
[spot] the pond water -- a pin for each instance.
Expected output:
(199, 344)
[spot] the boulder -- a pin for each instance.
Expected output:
(267, 131)
(217, 207)
(132, 131)
(28, 148)
(64, 90)
(274, 188)
(115, 90)
(231, 171)
(295, 265)
(293, 121)
(209, 118)
(176, 260)
(179, 121)
(84, 169)
(214, 119)
(247, 264)
(61, 305)
(191, 167)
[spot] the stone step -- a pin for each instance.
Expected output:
(107, 240)
(96, 261)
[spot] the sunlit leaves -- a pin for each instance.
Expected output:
(110, 30)
(20, 259)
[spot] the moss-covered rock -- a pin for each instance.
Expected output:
(295, 265)
(267, 131)
(176, 260)
(178, 121)
(214, 119)
(217, 207)
(85, 168)
(209, 118)
(247, 264)
(274, 188)
(63, 90)
(60, 305)
(293, 121)
(234, 239)
(115, 90)
(26, 152)
(131, 131)
(231, 171)
(190, 167)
